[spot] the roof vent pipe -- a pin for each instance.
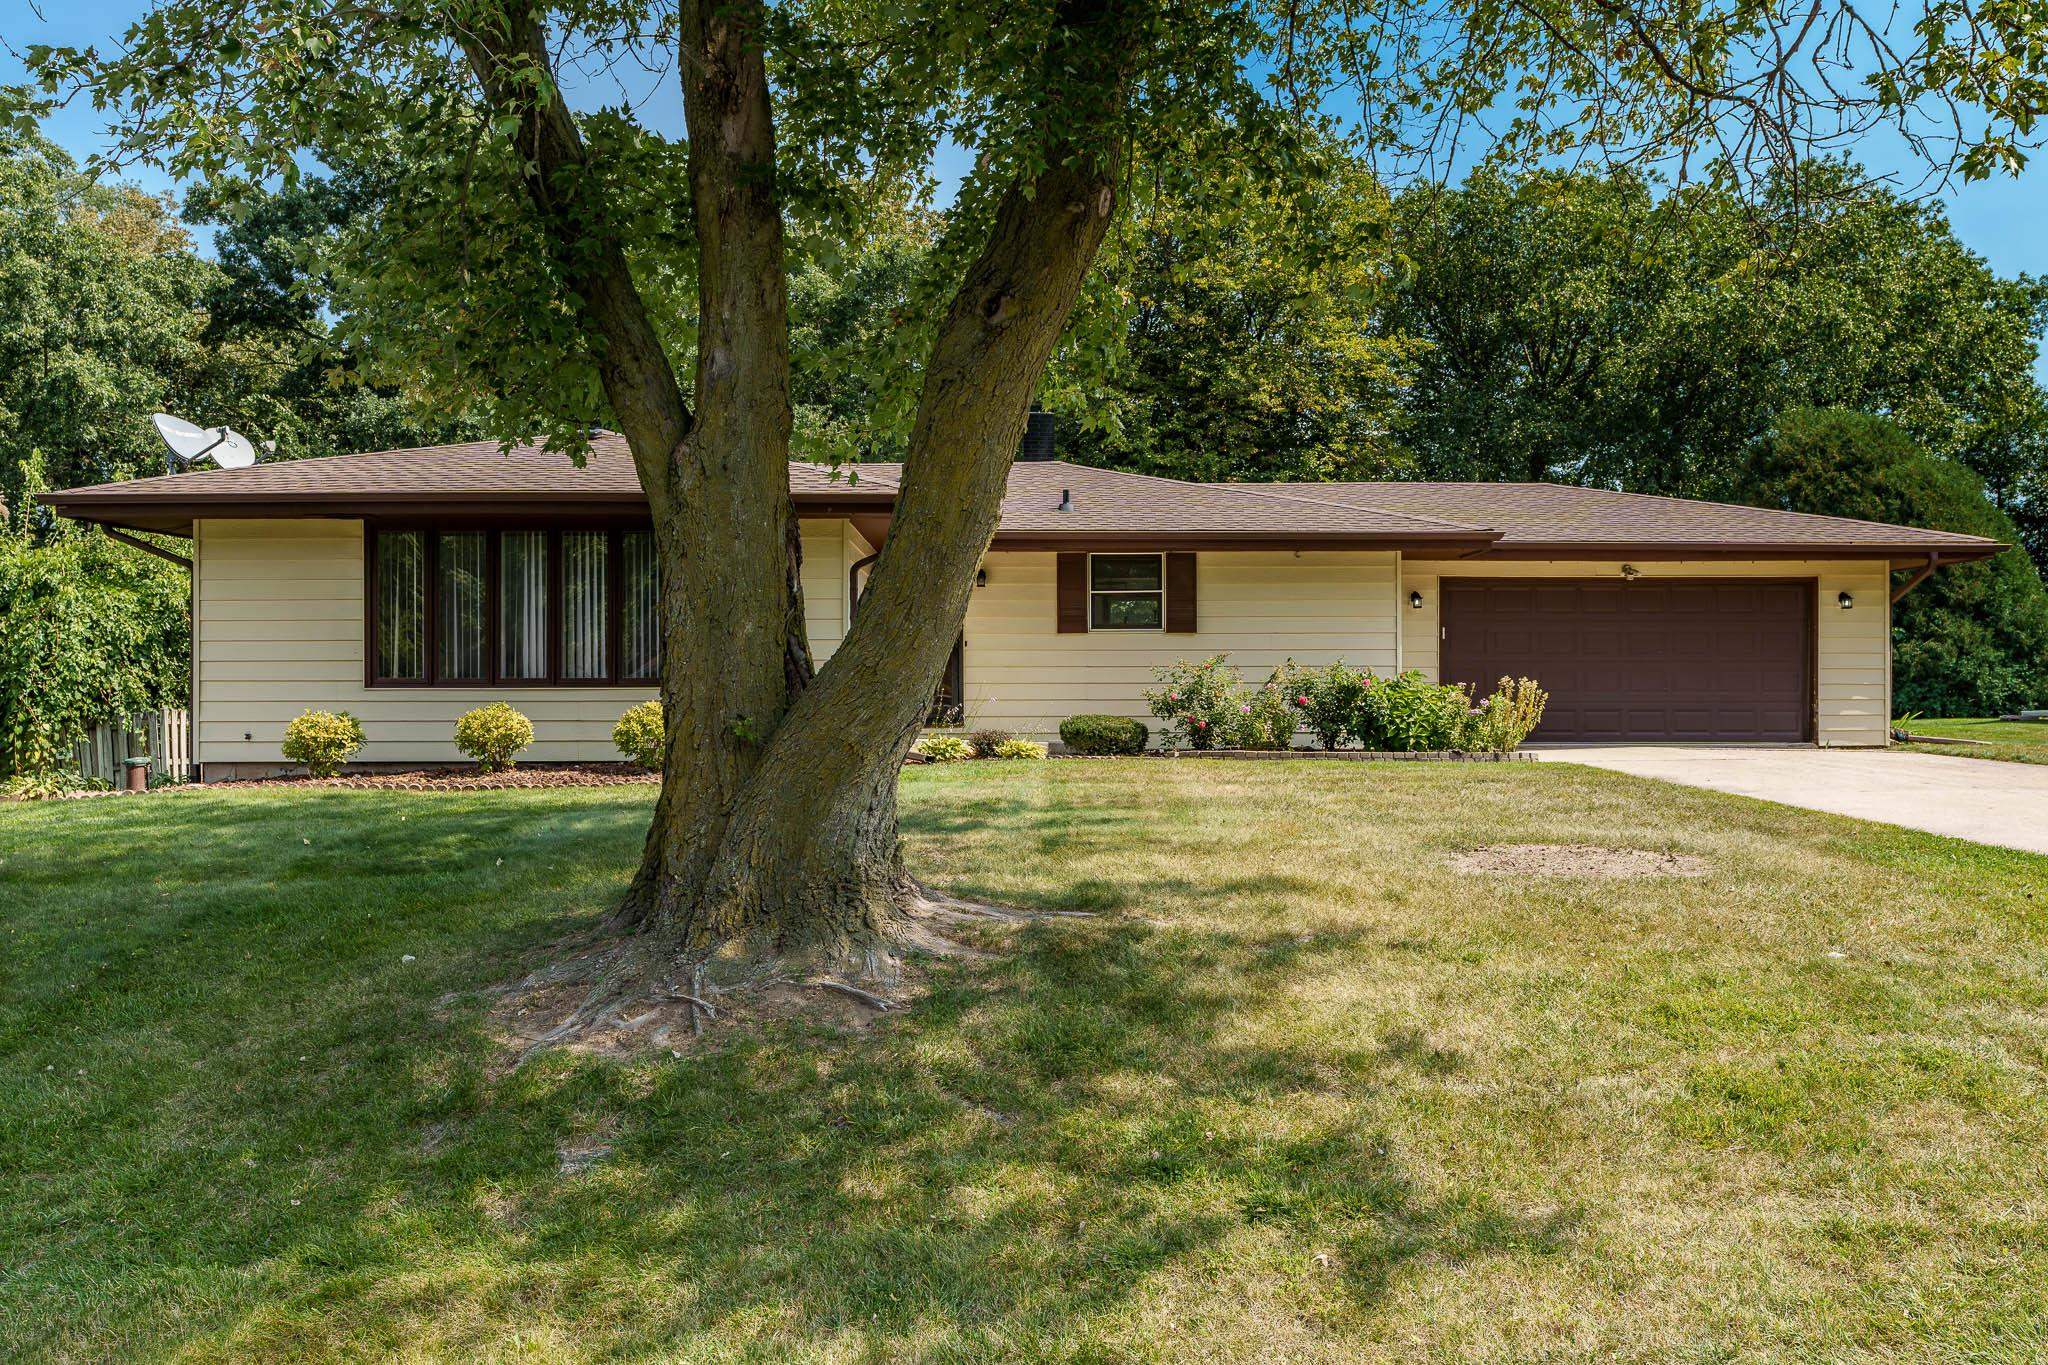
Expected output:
(1066, 499)
(1037, 442)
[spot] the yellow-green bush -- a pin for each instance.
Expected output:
(492, 735)
(1017, 748)
(639, 735)
(941, 748)
(323, 741)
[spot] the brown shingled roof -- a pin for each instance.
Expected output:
(1107, 507)
(1548, 517)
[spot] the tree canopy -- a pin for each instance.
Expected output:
(1585, 327)
(1971, 640)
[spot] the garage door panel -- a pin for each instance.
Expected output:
(1699, 660)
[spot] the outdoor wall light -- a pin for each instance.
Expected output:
(1844, 600)
(1415, 600)
(981, 578)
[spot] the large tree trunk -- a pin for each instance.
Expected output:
(811, 861)
(735, 652)
(775, 831)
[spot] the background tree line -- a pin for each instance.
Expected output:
(109, 312)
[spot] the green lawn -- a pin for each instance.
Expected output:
(2012, 741)
(1299, 1092)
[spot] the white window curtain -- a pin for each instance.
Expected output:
(640, 623)
(402, 605)
(460, 627)
(523, 605)
(584, 584)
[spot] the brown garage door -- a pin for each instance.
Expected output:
(1642, 660)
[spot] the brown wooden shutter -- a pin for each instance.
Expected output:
(1180, 592)
(1073, 594)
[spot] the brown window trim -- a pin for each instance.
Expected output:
(431, 531)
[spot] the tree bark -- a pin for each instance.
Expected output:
(717, 481)
(731, 554)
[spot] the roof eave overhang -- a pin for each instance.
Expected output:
(1141, 541)
(1899, 554)
(176, 515)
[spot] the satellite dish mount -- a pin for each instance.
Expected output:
(188, 443)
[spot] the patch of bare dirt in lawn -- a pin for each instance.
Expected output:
(1576, 860)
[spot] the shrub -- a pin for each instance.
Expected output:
(91, 632)
(1266, 718)
(1198, 702)
(1104, 734)
(323, 741)
(1327, 699)
(941, 748)
(1411, 714)
(639, 735)
(1502, 721)
(492, 735)
(986, 742)
(1017, 748)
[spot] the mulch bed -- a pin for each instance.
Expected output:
(466, 779)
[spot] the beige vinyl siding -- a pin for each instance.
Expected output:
(278, 629)
(1854, 679)
(1260, 607)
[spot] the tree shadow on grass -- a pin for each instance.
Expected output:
(309, 1158)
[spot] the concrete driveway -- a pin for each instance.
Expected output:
(1967, 798)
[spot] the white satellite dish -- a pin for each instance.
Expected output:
(225, 446)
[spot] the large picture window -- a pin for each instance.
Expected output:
(1126, 592)
(532, 608)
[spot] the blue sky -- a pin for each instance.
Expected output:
(2002, 219)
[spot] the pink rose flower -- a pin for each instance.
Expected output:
(1301, 701)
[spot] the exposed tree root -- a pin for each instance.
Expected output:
(620, 996)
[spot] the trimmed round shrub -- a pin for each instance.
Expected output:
(323, 741)
(1104, 734)
(1017, 748)
(639, 735)
(941, 748)
(492, 735)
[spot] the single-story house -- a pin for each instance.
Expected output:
(407, 586)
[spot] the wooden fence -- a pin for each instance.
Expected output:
(100, 753)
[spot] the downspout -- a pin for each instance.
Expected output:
(853, 583)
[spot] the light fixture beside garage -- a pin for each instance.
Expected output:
(1631, 572)
(1415, 600)
(1845, 600)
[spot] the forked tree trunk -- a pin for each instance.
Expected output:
(811, 860)
(775, 831)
